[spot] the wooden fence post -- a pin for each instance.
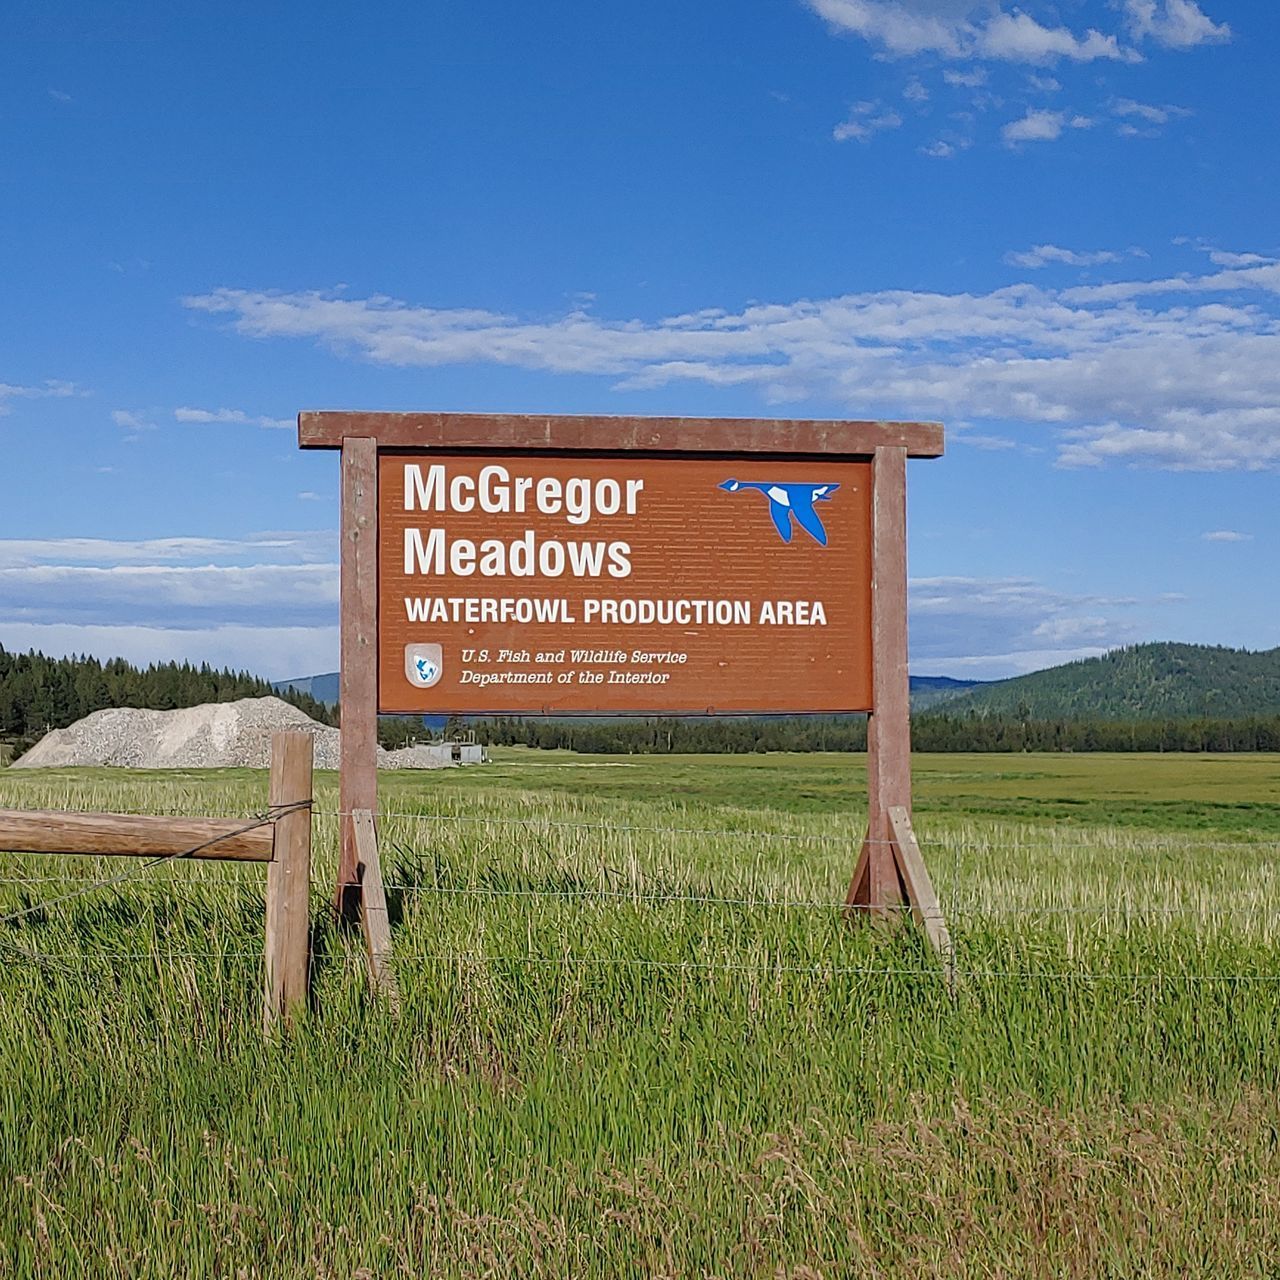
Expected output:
(288, 928)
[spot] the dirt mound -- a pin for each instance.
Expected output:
(217, 735)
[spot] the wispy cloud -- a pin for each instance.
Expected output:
(1144, 119)
(1179, 372)
(1147, 111)
(131, 420)
(51, 389)
(990, 626)
(237, 417)
(301, 547)
(1226, 535)
(172, 595)
(902, 28)
(1221, 258)
(1042, 255)
(267, 601)
(865, 120)
(60, 95)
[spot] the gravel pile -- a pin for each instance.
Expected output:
(217, 735)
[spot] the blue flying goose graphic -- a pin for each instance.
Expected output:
(787, 500)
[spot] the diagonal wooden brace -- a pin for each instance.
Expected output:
(374, 918)
(912, 880)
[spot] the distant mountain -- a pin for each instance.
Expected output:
(931, 691)
(1140, 682)
(321, 688)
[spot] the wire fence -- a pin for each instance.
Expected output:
(945, 849)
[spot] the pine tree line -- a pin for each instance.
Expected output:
(38, 693)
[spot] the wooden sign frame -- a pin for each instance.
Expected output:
(889, 872)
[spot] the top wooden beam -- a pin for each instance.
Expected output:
(581, 433)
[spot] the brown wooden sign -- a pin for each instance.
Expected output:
(573, 564)
(519, 584)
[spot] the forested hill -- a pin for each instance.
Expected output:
(1141, 682)
(39, 693)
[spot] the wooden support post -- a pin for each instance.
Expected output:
(876, 889)
(358, 687)
(288, 928)
(373, 908)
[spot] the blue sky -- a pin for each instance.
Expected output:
(1053, 227)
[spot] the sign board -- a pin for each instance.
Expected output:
(525, 584)
(519, 563)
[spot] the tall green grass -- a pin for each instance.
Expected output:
(637, 1039)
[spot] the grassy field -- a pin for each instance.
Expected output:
(636, 1039)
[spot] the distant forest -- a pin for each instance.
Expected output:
(38, 693)
(1160, 681)
(931, 731)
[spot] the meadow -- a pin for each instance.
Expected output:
(636, 1037)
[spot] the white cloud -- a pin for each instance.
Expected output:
(236, 416)
(1221, 258)
(938, 150)
(1176, 24)
(1004, 624)
(60, 95)
(1226, 535)
(1042, 255)
(175, 595)
(865, 120)
(1044, 84)
(1035, 126)
(915, 91)
(973, 78)
(985, 442)
(1181, 373)
(131, 421)
(273, 652)
(303, 547)
(267, 601)
(963, 29)
(52, 389)
(1017, 37)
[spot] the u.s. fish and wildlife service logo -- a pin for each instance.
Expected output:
(423, 665)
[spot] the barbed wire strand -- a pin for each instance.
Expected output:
(942, 842)
(951, 910)
(762, 968)
(852, 836)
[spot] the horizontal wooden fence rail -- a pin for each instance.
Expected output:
(281, 839)
(132, 835)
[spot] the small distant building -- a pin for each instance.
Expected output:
(456, 752)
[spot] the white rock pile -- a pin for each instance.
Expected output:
(217, 735)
